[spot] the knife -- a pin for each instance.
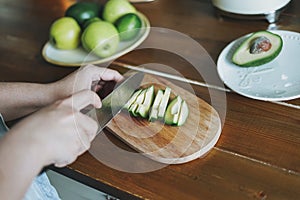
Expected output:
(113, 103)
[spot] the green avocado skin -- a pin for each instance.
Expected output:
(260, 61)
(83, 11)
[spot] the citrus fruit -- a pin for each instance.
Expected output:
(128, 26)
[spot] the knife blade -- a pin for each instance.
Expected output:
(113, 103)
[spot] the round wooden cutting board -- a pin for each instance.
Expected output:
(170, 144)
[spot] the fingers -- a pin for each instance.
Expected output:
(86, 129)
(100, 73)
(111, 75)
(86, 126)
(83, 99)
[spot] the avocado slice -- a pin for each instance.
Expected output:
(183, 114)
(258, 49)
(132, 99)
(154, 110)
(177, 112)
(172, 112)
(164, 103)
(139, 100)
(144, 107)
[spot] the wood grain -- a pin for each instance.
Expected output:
(171, 144)
(257, 155)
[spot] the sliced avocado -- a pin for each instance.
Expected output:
(132, 99)
(258, 49)
(139, 100)
(164, 103)
(132, 109)
(154, 110)
(144, 107)
(173, 111)
(183, 114)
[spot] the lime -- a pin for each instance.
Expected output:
(128, 26)
(83, 11)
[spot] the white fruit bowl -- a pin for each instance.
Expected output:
(78, 57)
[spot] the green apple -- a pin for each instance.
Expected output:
(101, 38)
(114, 9)
(89, 21)
(65, 33)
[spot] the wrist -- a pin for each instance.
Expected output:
(57, 90)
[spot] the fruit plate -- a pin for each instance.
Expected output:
(78, 56)
(277, 80)
(170, 144)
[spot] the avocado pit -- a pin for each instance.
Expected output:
(260, 44)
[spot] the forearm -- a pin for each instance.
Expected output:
(20, 163)
(20, 99)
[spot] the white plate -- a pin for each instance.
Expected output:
(79, 56)
(277, 80)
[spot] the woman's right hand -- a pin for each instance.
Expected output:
(59, 133)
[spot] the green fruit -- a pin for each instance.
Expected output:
(154, 110)
(65, 33)
(144, 107)
(258, 49)
(101, 38)
(183, 114)
(114, 9)
(145, 103)
(177, 112)
(83, 11)
(139, 100)
(128, 26)
(132, 99)
(172, 112)
(89, 21)
(164, 103)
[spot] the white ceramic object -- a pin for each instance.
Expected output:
(250, 7)
(78, 56)
(277, 80)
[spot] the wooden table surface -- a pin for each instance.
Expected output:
(257, 155)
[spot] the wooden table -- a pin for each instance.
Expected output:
(257, 155)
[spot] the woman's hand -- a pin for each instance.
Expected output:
(56, 134)
(20, 99)
(88, 77)
(60, 132)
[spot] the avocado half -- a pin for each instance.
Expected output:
(243, 56)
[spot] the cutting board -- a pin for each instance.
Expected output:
(170, 144)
